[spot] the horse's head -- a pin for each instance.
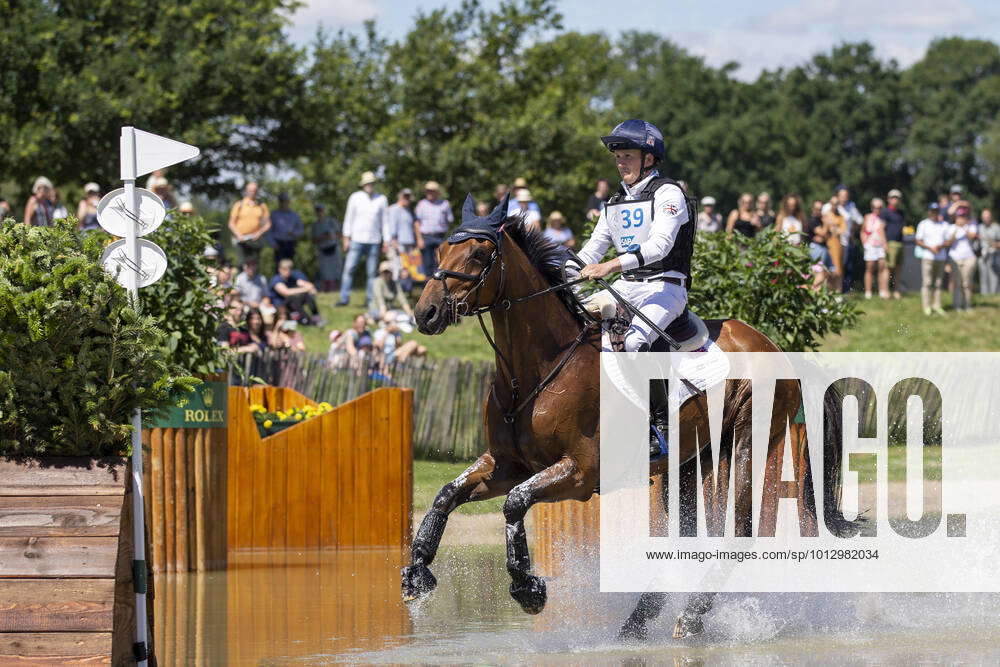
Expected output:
(470, 271)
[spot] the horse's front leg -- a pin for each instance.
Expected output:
(480, 481)
(557, 482)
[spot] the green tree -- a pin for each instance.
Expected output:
(218, 74)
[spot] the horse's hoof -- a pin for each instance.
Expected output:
(688, 626)
(417, 582)
(634, 631)
(529, 592)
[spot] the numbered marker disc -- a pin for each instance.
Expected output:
(152, 265)
(114, 216)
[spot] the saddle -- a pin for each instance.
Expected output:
(687, 329)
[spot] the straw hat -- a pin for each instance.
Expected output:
(432, 185)
(186, 207)
(366, 178)
(41, 182)
(524, 194)
(519, 182)
(557, 215)
(385, 266)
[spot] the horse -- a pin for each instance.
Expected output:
(541, 421)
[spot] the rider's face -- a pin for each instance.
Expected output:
(629, 163)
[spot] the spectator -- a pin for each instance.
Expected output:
(873, 241)
(326, 236)
(848, 231)
(358, 341)
(388, 341)
(249, 221)
(597, 199)
(286, 229)
(764, 211)
(961, 237)
(86, 210)
(531, 217)
(932, 248)
(954, 202)
(989, 262)
(251, 338)
(388, 293)
(160, 186)
(39, 211)
(336, 355)
(512, 206)
(4, 209)
(291, 288)
(791, 219)
(284, 333)
(835, 224)
(402, 234)
(433, 216)
(363, 222)
(499, 192)
(251, 285)
(482, 209)
(709, 220)
(944, 201)
(819, 252)
(742, 219)
(231, 322)
(894, 223)
(59, 211)
(557, 232)
(405, 281)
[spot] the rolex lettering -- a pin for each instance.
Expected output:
(629, 223)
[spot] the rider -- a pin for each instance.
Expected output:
(649, 223)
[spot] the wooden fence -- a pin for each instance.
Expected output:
(448, 394)
(342, 479)
(66, 553)
(185, 482)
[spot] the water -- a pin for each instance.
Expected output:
(293, 608)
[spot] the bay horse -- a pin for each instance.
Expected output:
(541, 416)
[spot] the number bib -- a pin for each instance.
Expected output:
(629, 223)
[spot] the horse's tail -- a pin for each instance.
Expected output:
(833, 445)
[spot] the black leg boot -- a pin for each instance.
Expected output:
(658, 419)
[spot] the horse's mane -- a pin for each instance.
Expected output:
(545, 256)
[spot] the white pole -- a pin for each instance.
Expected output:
(128, 156)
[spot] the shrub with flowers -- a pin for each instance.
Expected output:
(269, 423)
(765, 281)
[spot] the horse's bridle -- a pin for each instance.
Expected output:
(459, 309)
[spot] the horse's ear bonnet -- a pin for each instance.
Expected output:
(474, 227)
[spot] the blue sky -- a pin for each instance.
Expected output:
(758, 34)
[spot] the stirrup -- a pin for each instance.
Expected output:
(658, 449)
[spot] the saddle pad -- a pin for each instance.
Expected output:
(701, 371)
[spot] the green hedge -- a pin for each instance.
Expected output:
(75, 358)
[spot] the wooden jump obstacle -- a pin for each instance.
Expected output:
(185, 482)
(66, 552)
(342, 479)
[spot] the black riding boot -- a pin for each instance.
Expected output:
(658, 418)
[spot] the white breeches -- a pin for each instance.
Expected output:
(660, 301)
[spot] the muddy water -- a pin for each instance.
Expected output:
(344, 607)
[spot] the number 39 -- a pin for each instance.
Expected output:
(632, 218)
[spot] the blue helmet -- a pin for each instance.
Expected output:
(637, 134)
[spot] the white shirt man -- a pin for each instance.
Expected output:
(933, 238)
(365, 217)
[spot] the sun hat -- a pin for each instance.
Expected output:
(524, 194)
(385, 266)
(366, 178)
(557, 215)
(519, 182)
(708, 201)
(91, 187)
(432, 185)
(41, 182)
(895, 193)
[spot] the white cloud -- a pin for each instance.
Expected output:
(331, 14)
(790, 35)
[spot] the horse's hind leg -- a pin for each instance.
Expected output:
(649, 607)
(482, 480)
(557, 482)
